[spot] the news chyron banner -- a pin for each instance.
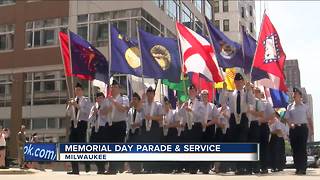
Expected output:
(143, 152)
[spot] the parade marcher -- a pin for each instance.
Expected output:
(135, 123)
(151, 131)
(239, 101)
(277, 146)
(21, 139)
(221, 133)
(78, 110)
(255, 115)
(2, 148)
(298, 117)
(116, 130)
(265, 135)
(194, 125)
(98, 120)
(209, 119)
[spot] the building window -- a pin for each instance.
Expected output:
(159, 3)
(5, 90)
(173, 9)
(187, 16)
(226, 25)
(225, 5)
(250, 10)
(216, 6)
(243, 14)
(6, 37)
(123, 81)
(198, 26)
(4, 123)
(208, 9)
(198, 5)
(251, 27)
(217, 24)
(44, 32)
(7, 2)
(45, 88)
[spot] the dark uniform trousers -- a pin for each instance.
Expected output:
(195, 135)
(277, 150)
(239, 133)
(135, 167)
(208, 137)
(172, 137)
(298, 140)
(78, 134)
(116, 134)
(152, 136)
(254, 137)
(99, 137)
(264, 146)
(220, 138)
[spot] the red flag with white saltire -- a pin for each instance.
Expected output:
(65, 52)
(270, 56)
(198, 54)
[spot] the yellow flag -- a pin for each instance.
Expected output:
(229, 79)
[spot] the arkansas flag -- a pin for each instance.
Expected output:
(198, 54)
(270, 56)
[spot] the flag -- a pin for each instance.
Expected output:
(65, 51)
(160, 57)
(279, 99)
(198, 54)
(228, 52)
(229, 79)
(202, 84)
(181, 87)
(125, 54)
(270, 56)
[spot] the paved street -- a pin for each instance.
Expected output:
(59, 175)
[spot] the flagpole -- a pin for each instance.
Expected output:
(64, 67)
(243, 54)
(255, 53)
(110, 56)
(181, 63)
(72, 78)
(138, 36)
(210, 38)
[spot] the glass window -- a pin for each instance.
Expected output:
(27, 123)
(83, 31)
(99, 34)
(53, 123)
(7, 2)
(208, 9)
(243, 13)
(39, 123)
(62, 123)
(83, 18)
(6, 36)
(226, 25)
(251, 27)
(44, 32)
(216, 6)
(250, 10)
(225, 5)
(187, 16)
(217, 24)
(198, 5)
(159, 3)
(48, 88)
(173, 9)
(5, 90)
(198, 26)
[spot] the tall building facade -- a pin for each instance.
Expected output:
(33, 88)
(231, 16)
(292, 73)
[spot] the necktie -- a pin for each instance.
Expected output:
(97, 115)
(134, 115)
(238, 102)
(256, 105)
(76, 109)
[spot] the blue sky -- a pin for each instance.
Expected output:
(298, 25)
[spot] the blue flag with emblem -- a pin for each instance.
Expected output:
(160, 57)
(125, 54)
(228, 52)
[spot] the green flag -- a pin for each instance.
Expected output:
(180, 87)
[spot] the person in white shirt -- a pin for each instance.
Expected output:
(78, 110)
(2, 148)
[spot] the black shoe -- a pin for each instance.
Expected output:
(73, 173)
(264, 171)
(301, 172)
(111, 173)
(239, 173)
(104, 173)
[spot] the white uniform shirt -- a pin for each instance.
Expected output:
(83, 111)
(224, 120)
(298, 113)
(246, 98)
(116, 115)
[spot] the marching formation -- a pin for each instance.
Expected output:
(241, 115)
